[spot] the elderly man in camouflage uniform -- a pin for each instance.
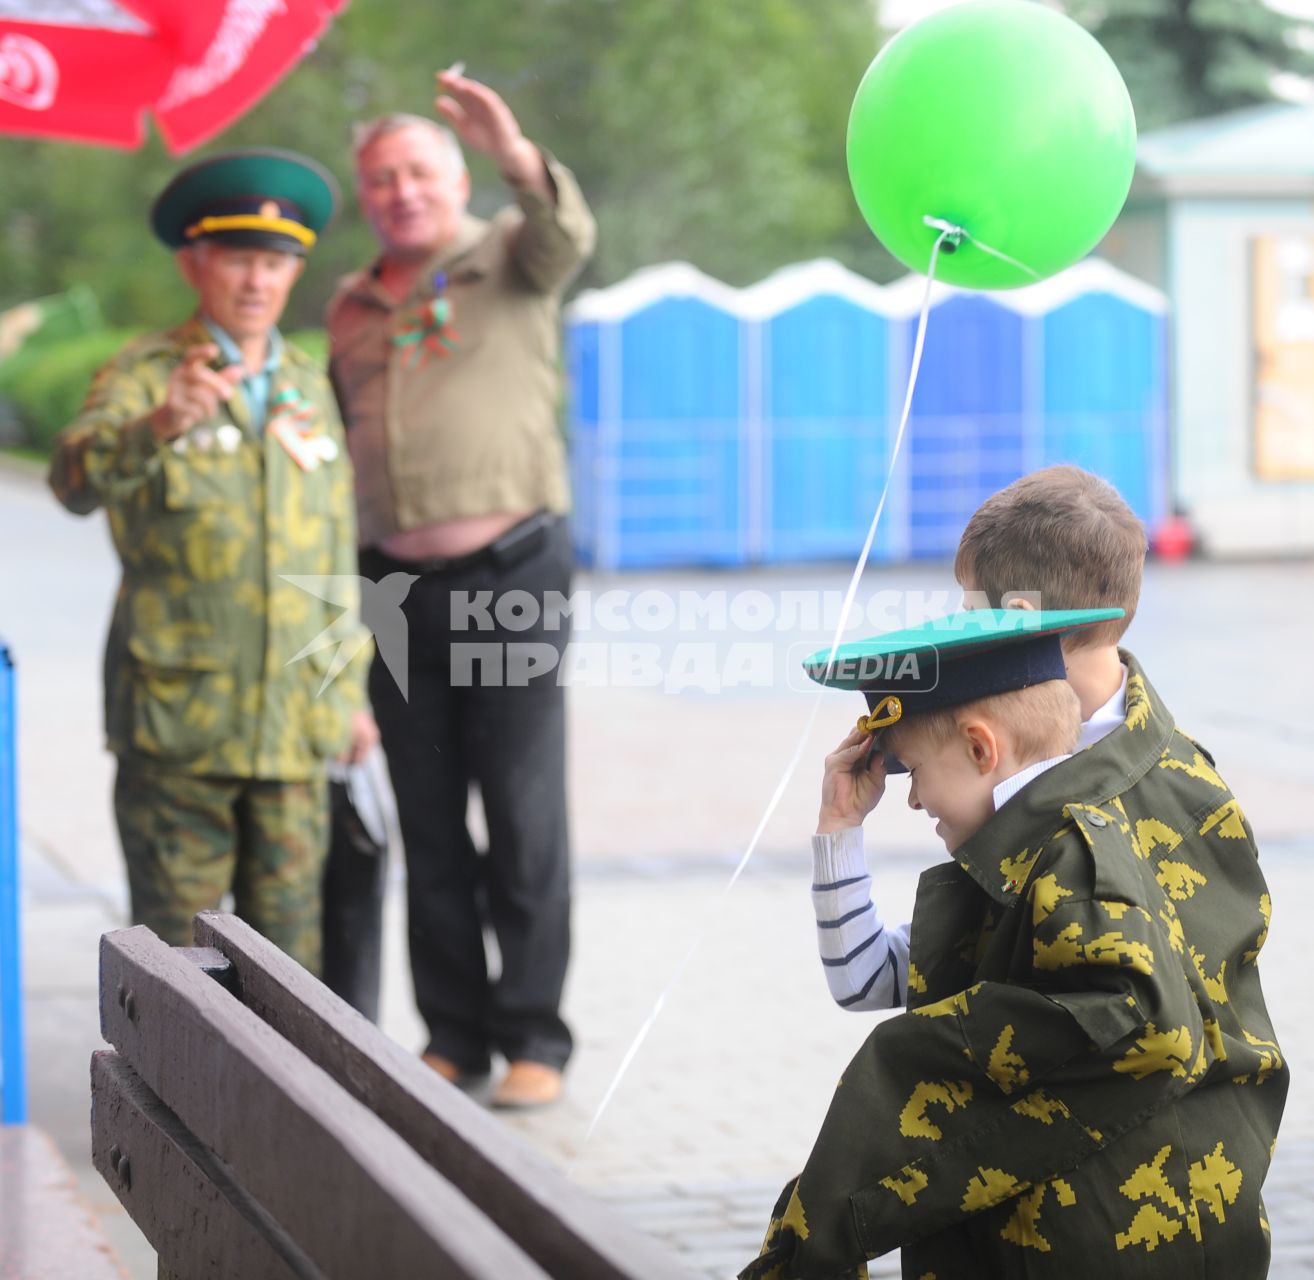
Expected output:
(218, 454)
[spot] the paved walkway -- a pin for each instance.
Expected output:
(47, 1232)
(724, 1099)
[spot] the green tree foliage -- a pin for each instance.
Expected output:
(1183, 59)
(707, 130)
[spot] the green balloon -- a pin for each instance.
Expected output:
(1001, 117)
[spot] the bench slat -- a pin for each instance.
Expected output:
(353, 1195)
(171, 1185)
(565, 1230)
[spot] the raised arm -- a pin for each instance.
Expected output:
(865, 961)
(866, 964)
(557, 233)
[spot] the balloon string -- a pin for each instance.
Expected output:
(651, 1020)
(958, 234)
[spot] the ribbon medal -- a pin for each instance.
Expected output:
(428, 333)
(293, 427)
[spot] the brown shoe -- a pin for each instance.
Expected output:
(527, 1085)
(467, 1081)
(443, 1066)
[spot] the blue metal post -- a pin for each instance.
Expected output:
(13, 1083)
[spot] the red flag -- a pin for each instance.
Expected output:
(88, 70)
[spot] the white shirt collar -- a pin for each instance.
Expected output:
(1006, 790)
(1104, 720)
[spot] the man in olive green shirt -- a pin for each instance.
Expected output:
(218, 455)
(444, 358)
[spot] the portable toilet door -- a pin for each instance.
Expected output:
(582, 338)
(967, 437)
(824, 360)
(1105, 393)
(662, 461)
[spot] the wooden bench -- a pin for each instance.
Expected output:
(256, 1126)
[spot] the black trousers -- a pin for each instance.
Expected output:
(464, 722)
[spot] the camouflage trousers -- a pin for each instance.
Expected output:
(188, 841)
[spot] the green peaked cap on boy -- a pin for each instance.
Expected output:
(951, 660)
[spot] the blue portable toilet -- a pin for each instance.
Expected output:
(1070, 369)
(717, 426)
(821, 382)
(1103, 341)
(967, 434)
(657, 409)
(583, 418)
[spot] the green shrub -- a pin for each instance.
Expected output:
(47, 383)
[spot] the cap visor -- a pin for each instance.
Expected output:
(274, 241)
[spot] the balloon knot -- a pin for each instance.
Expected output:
(952, 234)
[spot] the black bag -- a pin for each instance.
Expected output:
(354, 878)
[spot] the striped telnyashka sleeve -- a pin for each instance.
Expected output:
(865, 961)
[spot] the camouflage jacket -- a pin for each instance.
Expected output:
(204, 670)
(1086, 1081)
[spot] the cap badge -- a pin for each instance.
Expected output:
(888, 711)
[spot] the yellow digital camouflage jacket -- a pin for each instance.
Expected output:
(1086, 1081)
(202, 673)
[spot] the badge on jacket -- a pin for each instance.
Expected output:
(293, 426)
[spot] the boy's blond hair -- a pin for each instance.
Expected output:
(1061, 534)
(1043, 720)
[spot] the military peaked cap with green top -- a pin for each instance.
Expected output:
(951, 660)
(256, 198)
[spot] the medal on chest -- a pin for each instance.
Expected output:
(427, 333)
(293, 426)
(223, 439)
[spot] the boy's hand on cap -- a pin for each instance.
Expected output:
(852, 784)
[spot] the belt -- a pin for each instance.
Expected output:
(518, 543)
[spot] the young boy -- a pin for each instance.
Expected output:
(1086, 1080)
(1061, 538)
